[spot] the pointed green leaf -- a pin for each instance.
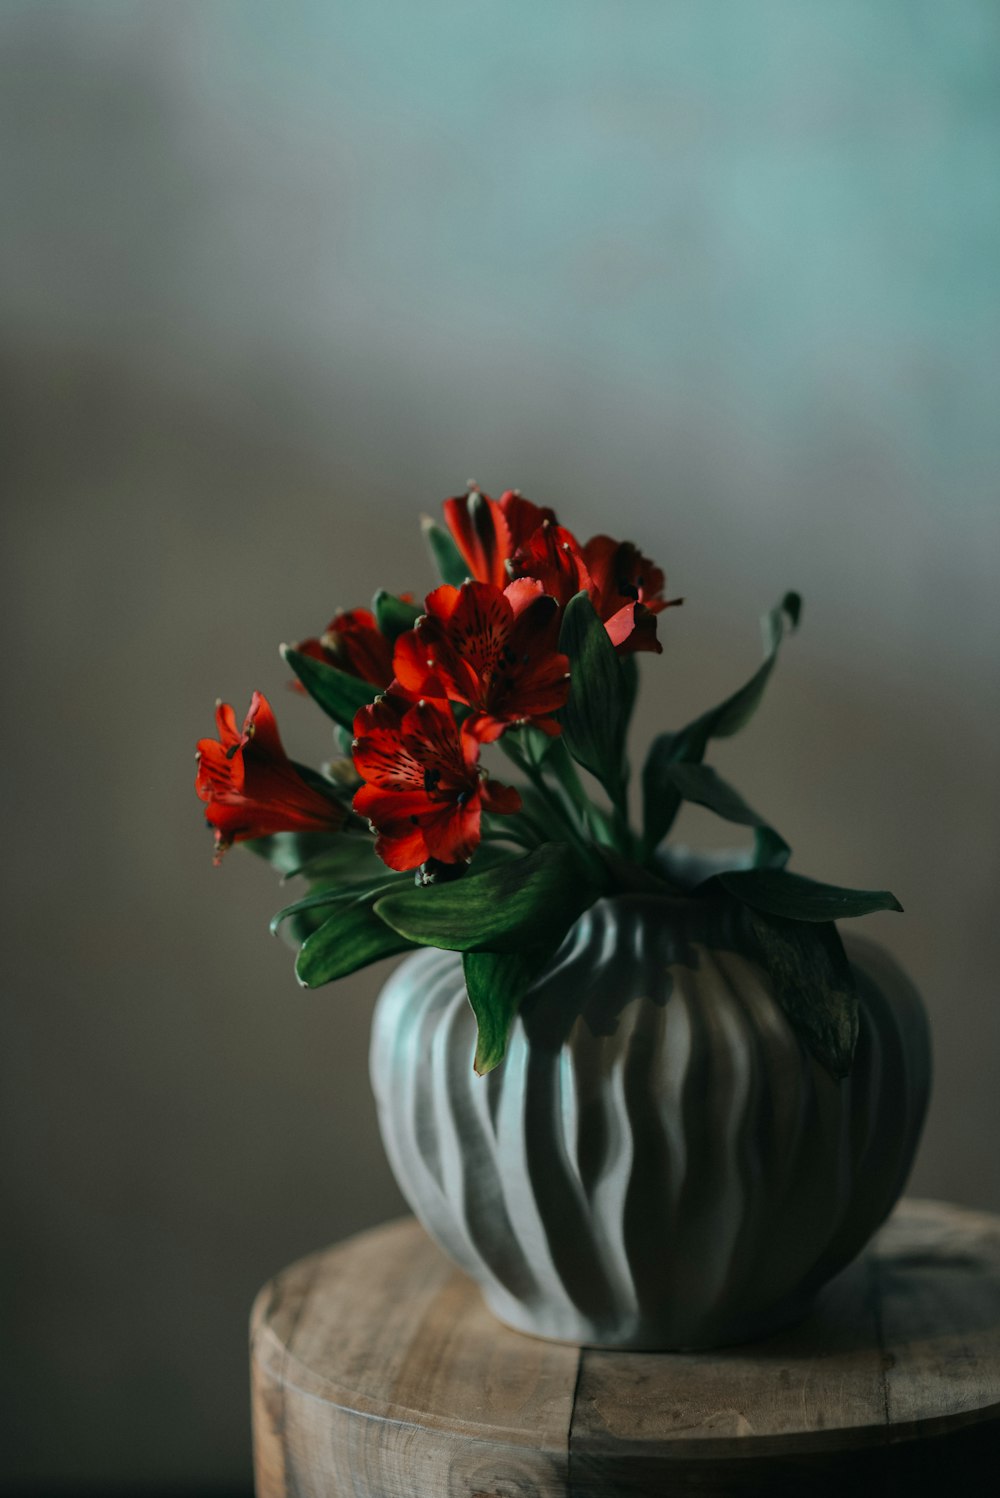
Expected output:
(338, 694)
(515, 829)
(351, 938)
(701, 785)
(814, 985)
(778, 892)
(535, 745)
(298, 925)
(521, 902)
(594, 818)
(630, 673)
(298, 928)
(496, 983)
(331, 895)
(661, 800)
(595, 717)
(286, 852)
(393, 615)
(447, 557)
(344, 859)
(770, 851)
(531, 825)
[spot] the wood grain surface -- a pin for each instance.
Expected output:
(379, 1373)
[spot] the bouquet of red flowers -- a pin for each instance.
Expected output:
(529, 644)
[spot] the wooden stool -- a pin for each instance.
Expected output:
(379, 1373)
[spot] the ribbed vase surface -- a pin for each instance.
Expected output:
(657, 1163)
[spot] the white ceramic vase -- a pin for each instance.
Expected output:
(658, 1163)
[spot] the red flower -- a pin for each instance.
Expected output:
(495, 651)
(488, 531)
(250, 786)
(353, 642)
(522, 517)
(626, 589)
(514, 538)
(552, 555)
(424, 791)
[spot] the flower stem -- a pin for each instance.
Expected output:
(553, 802)
(566, 772)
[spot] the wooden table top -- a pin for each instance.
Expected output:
(379, 1373)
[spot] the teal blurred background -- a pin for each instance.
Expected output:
(723, 278)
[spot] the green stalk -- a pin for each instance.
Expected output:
(566, 771)
(560, 811)
(500, 835)
(618, 795)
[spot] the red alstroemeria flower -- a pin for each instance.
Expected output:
(488, 531)
(424, 793)
(249, 785)
(511, 537)
(353, 642)
(552, 554)
(522, 517)
(626, 589)
(495, 651)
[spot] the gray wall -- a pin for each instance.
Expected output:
(273, 280)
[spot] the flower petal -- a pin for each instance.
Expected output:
(402, 846)
(427, 664)
(429, 732)
(249, 785)
(440, 602)
(552, 555)
(522, 592)
(523, 518)
(416, 662)
(354, 643)
(378, 804)
(480, 532)
(626, 590)
(479, 625)
(381, 758)
(453, 835)
(497, 797)
(262, 727)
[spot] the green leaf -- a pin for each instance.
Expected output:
(520, 903)
(701, 785)
(496, 983)
(489, 855)
(353, 862)
(532, 825)
(338, 694)
(516, 830)
(393, 615)
(596, 714)
(351, 938)
(793, 897)
(331, 895)
(814, 985)
(535, 745)
(286, 852)
(340, 857)
(447, 557)
(689, 867)
(661, 801)
(630, 674)
(298, 928)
